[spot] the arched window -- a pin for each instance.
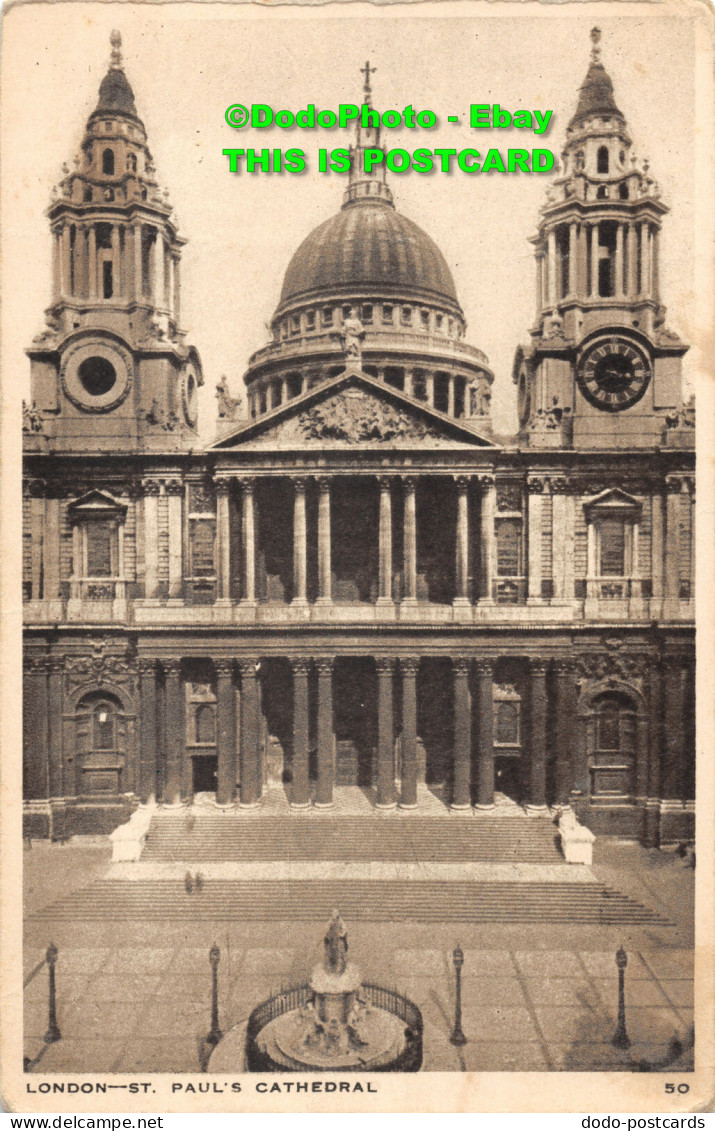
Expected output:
(108, 161)
(602, 159)
(104, 725)
(506, 730)
(623, 190)
(602, 193)
(132, 163)
(87, 194)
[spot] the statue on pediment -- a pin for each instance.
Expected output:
(353, 334)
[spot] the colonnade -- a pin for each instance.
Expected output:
(246, 487)
(636, 246)
(238, 738)
(77, 259)
(266, 393)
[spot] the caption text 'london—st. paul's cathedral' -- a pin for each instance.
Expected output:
(358, 584)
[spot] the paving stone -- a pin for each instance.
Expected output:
(98, 1055)
(493, 991)
(422, 963)
(133, 987)
(577, 993)
(602, 964)
(562, 1024)
(82, 960)
(679, 993)
(165, 1018)
(549, 963)
(90, 1020)
(501, 1023)
(639, 992)
(181, 1054)
(268, 961)
(670, 963)
(486, 1056)
(485, 963)
(139, 960)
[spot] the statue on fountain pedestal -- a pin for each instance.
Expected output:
(336, 945)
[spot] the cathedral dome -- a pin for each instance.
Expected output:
(368, 246)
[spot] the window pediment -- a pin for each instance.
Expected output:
(96, 504)
(613, 503)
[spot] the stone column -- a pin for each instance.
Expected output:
(56, 673)
(148, 729)
(410, 667)
(618, 282)
(485, 750)
(56, 265)
(386, 738)
(537, 768)
(488, 539)
(553, 284)
(65, 261)
(324, 557)
(154, 266)
(92, 261)
(565, 721)
(175, 493)
(225, 731)
(151, 537)
(632, 259)
(326, 741)
(644, 288)
(672, 538)
(35, 770)
(177, 289)
(429, 388)
(534, 533)
(250, 734)
(51, 578)
(582, 269)
(594, 261)
(410, 541)
(651, 831)
(223, 539)
(37, 539)
(673, 729)
(300, 792)
(300, 544)
(591, 585)
(284, 390)
(462, 790)
(409, 383)
(138, 287)
(450, 394)
(539, 286)
(573, 257)
(462, 562)
(116, 263)
(248, 534)
(656, 544)
(175, 736)
(385, 543)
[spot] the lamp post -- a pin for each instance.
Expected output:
(620, 1038)
(215, 1034)
(53, 1030)
(458, 1037)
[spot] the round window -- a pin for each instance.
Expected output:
(97, 375)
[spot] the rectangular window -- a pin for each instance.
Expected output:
(310, 320)
(327, 315)
(367, 313)
(424, 319)
(406, 315)
(202, 537)
(613, 548)
(509, 548)
(107, 282)
(387, 314)
(99, 549)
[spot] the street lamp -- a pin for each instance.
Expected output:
(458, 1037)
(620, 1038)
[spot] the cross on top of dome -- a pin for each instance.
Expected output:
(367, 70)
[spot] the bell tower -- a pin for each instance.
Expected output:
(112, 370)
(601, 370)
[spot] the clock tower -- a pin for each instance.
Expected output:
(112, 371)
(601, 369)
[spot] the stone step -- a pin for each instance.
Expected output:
(230, 837)
(314, 900)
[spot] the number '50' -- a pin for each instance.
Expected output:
(681, 1088)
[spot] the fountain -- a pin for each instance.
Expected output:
(336, 1022)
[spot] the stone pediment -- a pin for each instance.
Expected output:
(612, 501)
(98, 504)
(353, 410)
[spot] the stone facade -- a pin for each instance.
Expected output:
(358, 583)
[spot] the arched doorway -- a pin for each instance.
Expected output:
(611, 745)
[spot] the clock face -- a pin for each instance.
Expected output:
(613, 375)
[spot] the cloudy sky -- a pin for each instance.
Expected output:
(187, 63)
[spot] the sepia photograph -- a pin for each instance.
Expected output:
(351, 360)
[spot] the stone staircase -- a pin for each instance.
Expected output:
(374, 901)
(202, 838)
